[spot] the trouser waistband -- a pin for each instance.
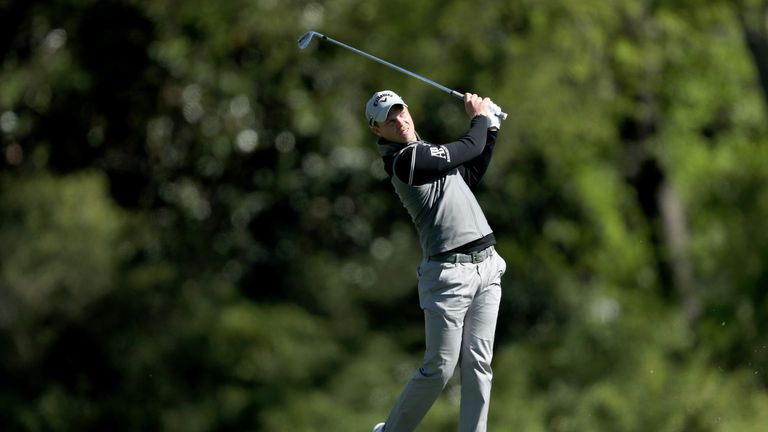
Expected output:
(453, 257)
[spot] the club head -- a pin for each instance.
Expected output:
(307, 38)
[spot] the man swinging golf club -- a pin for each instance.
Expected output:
(460, 275)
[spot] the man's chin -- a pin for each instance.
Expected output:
(408, 138)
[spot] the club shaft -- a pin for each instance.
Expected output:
(454, 93)
(393, 66)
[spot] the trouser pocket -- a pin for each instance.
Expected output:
(446, 286)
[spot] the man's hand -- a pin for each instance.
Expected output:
(475, 105)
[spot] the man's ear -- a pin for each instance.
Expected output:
(376, 129)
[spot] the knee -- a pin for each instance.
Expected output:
(438, 369)
(481, 367)
(477, 360)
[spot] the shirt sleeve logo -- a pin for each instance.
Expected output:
(440, 152)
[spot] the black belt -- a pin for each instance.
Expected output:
(472, 257)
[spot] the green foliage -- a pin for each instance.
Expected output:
(62, 245)
(196, 231)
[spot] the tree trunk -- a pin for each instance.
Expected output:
(676, 240)
(753, 16)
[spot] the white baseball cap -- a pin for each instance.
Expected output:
(378, 106)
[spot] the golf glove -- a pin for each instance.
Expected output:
(495, 119)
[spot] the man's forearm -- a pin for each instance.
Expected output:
(474, 170)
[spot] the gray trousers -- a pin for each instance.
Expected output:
(460, 303)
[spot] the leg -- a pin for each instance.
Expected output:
(477, 347)
(440, 359)
(445, 300)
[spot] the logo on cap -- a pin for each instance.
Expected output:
(381, 98)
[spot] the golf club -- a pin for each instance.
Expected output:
(307, 37)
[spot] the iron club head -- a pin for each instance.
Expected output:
(304, 40)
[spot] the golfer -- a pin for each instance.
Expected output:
(460, 275)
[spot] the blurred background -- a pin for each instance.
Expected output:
(197, 234)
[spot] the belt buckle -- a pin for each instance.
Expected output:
(475, 257)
